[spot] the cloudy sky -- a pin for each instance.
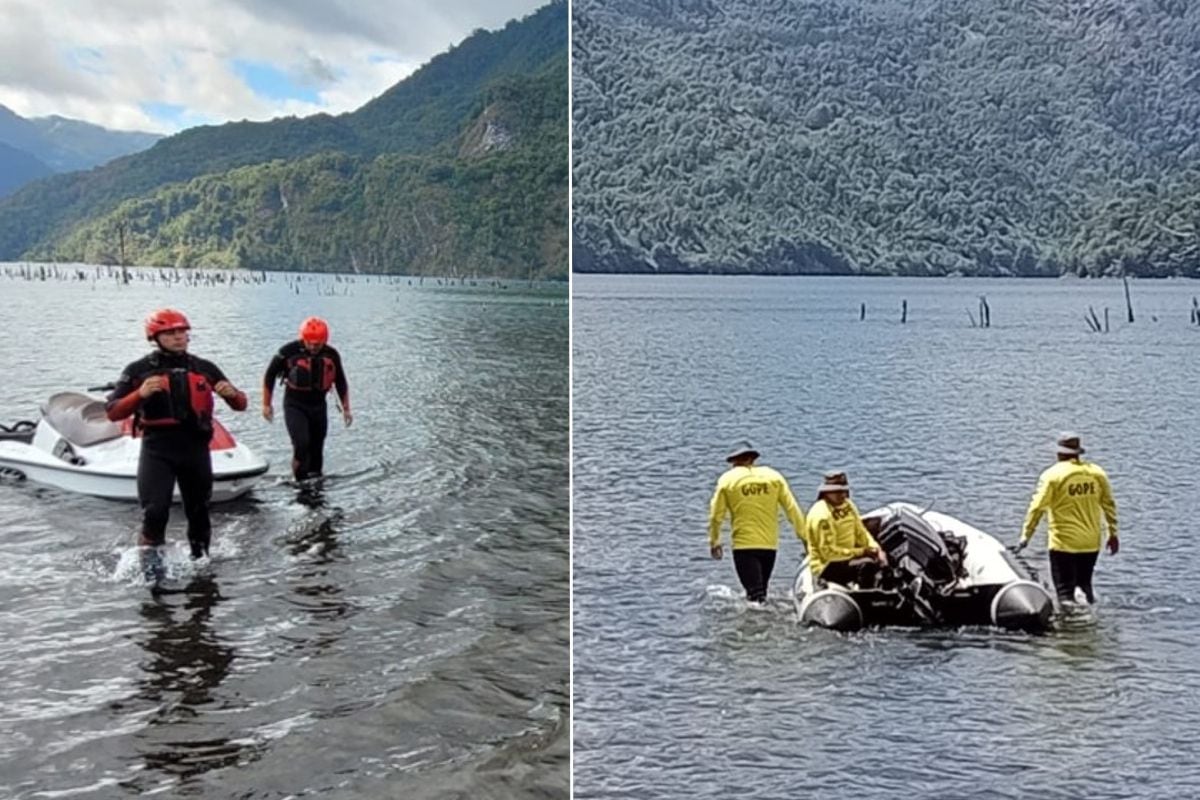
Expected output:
(164, 65)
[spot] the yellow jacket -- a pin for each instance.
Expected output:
(836, 534)
(752, 496)
(1073, 493)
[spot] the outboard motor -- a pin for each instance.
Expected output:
(925, 563)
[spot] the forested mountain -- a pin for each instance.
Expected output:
(991, 137)
(63, 145)
(461, 167)
(17, 168)
(72, 144)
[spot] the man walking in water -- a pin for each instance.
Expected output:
(309, 367)
(170, 395)
(751, 495)
(1074, 493)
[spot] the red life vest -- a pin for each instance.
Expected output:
(307, 373)
(189, 396)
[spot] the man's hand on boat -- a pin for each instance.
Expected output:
(879, 555)
(1018, 547)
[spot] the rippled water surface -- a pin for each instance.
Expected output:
(681, 691)
(402, 633)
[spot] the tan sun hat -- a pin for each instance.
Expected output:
(834, 481)
(1068, 444)
(742, 448)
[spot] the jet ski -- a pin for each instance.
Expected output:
(74, 446)
(941, 572)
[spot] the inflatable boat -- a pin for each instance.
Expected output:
(75, 447)
(941, 571)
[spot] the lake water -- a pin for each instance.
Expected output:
(681, 691)
(403, 634)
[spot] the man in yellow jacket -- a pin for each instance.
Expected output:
(1074, 493)
(751, 495)
(840, 548)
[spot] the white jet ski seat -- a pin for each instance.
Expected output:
(79, 419)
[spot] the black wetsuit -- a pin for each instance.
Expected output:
(308, 377)
(176, 428)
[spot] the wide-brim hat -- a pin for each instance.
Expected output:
(834, 481)
(742, 448)
(1068, 444)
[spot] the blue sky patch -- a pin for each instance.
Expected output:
(173, 116)
(267, 81)
(88, 59)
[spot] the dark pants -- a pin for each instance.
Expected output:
(754, 569)
(168, 457)
(307, 425)
(1069, 570)
(863, 570)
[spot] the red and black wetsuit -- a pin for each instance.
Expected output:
(308, 377)
(176, 427)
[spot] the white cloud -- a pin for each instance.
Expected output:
(107, 62)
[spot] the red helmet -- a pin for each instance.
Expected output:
(165, 319)
(314, 330)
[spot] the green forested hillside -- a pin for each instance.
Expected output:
(425, 111)
(407, 183)
(18, 167)
(480, 212)
(990, 137)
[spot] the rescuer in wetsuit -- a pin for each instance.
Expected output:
(308, 368)
(170, 395)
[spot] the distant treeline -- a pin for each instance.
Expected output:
(461, 168)
(983, 137)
